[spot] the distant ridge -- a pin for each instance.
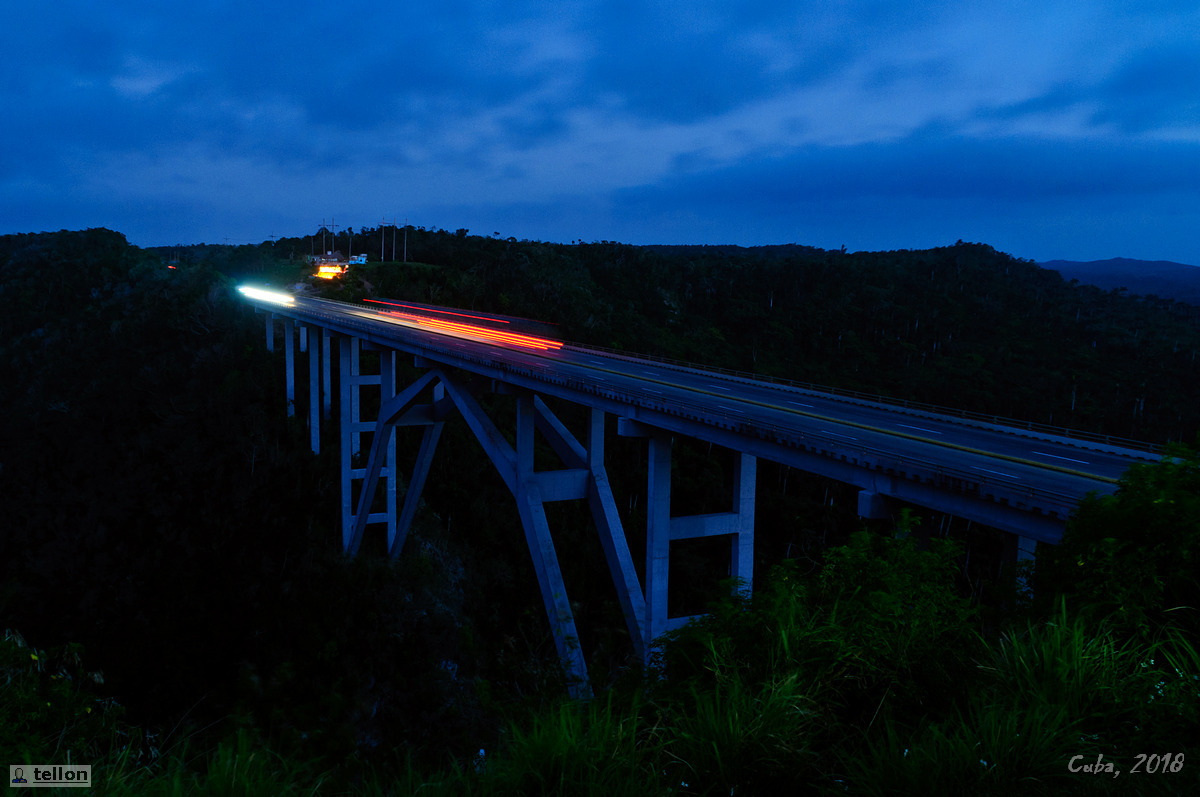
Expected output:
(1161, 278)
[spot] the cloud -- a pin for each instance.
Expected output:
(938, 167)
(1157, 89)
(611, 116)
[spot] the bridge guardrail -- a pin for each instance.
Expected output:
(1056, 502)
(998, 420)
(1044, 500)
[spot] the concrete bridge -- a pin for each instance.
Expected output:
(1017, 478)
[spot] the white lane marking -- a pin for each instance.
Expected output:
(1056, 456)
(731, 409)
(837, 434)
(918, 428)
(798, 404)
(718, 387)
(651, 373)
(648, 390)
(599, 379)
(998, 473)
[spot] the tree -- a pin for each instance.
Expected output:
(1134, 553)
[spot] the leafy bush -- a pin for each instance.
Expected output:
(1134, 554)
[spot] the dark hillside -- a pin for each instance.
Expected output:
(1157, 278)
(158, 507)
(962, 326)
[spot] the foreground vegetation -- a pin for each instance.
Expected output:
(169, 545)
(868, 676)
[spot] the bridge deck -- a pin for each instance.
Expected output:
(1020, 480)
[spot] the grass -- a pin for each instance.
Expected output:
(780, 696)
(736, 737)
(601, 748)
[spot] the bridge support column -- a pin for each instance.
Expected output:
(270, 331)
(416, 484)
(326, 381)
(314, 395)
(741, 558)
(658, 537)
(1021, 551)
(583, 477)
(875, 506)
(612, 537)
(530, 504)
(289, 356)
(351, 380)
(530, 488)
(354, 363)
(662, 529)
(395, 411)
(387, 391)
(345, 388)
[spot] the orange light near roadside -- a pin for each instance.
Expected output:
(459, 329)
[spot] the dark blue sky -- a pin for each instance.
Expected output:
(1048, 129)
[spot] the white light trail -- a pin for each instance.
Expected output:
(267, 296)
(1056, 456)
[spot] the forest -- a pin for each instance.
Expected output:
(177, 610)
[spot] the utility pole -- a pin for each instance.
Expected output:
(333, 231)
(406, 239)
(323, 249)
(382, 236)
(393, 239)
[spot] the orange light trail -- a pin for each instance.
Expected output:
(444, 312)
(470, 330)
